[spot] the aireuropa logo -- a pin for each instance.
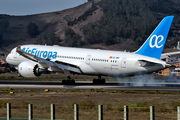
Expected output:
(155, 41)
(41, 53)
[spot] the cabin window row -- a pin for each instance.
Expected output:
(70, 57)
(102, 60)
(114, 61)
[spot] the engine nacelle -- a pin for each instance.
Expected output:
(29, 69)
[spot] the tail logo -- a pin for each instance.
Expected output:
(155, 41)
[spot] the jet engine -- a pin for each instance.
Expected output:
(29, 69)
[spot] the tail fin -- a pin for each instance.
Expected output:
(154, 44)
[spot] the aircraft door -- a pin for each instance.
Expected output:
(14, 54)
(123, 62)
(88, 59)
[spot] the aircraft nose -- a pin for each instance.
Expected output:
(8, 58)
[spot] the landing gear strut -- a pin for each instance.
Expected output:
(69, 81)
(18, 74)
(99, 80)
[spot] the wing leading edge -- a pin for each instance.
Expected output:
(46, 63)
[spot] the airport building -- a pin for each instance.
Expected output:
(171, 71)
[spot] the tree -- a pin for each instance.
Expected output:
(32, 30)
(4, 24)
(3, 29)
(1, 39)
(48, 38)
(72, 39)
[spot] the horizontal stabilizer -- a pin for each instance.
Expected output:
(145, 63)
(173, 62)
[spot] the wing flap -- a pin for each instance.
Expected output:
(67, 66)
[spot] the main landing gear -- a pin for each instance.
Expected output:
(99, 80)
(69, 81)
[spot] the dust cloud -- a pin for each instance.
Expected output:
(149, 80)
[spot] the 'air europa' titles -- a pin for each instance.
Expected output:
(42, 54)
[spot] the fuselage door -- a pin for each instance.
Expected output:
(123, 62)
(14, 54)
(88, 59)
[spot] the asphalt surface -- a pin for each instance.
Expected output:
(89, 85)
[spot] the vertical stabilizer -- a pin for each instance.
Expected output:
(154, 44)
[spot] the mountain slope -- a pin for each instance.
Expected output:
(106, 24)
(55, 22)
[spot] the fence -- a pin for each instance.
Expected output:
(100, 115)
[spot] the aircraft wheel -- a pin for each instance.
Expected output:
(68, 82)
(99, 81)
(103, 81)
(64, 82)
(72, 82)
(94, 81)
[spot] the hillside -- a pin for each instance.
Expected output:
(105, 24)
(48, 23)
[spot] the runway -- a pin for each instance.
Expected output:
(83, 85)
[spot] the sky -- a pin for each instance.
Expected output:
(28, 7)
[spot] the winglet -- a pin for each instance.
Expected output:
(154, 44)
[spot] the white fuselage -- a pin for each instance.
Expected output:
(90, 61)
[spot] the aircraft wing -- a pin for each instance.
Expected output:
(170, 54)
(46, 63)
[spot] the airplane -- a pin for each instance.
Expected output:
(32, 60)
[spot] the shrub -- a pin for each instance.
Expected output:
(32, 30)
